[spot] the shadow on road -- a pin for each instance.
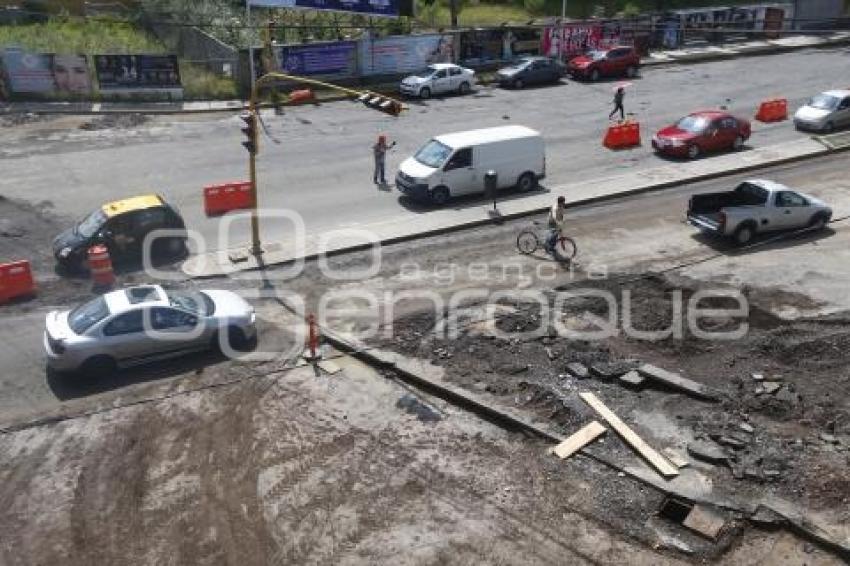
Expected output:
(470, 201)
(763, 242)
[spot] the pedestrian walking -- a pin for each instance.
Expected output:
(619, 94)
(379, 150)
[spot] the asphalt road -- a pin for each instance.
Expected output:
(322, 167)
(628, 234)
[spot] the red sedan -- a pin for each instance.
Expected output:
(702, 132)
(616, 61)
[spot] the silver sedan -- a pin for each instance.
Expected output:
(825, 112)
(145, 323)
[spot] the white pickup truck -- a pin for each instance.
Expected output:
(754, 207)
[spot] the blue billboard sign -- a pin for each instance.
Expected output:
(392, 8)
(337, 59)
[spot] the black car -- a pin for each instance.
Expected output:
(122, 226)
(530, 70)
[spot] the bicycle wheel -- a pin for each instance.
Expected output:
(565, 249)
(526, 242)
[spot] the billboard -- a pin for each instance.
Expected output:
(46, 73)
(333, 60)
(404, 53)
(137, 72)
(574, 39)
(392, 8)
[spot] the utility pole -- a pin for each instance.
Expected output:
(561, 30)
(453, 10)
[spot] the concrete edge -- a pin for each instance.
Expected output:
(539, 210)
(380, 88)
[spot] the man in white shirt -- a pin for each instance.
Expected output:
(557, 223)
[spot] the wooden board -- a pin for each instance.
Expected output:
(676, 381)
(678, 460)
(655, 459)
(579, 440)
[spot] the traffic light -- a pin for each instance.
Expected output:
(384, 104)
(250, 131)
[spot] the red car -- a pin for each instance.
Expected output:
(594, 65)
(702, 132)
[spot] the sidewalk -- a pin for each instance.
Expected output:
(674, 57)
(408, 225)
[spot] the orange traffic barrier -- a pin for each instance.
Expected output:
(298, 96)
(773, 110)
(100, 266)
(225, 197)
(622, 135)
(16, 280)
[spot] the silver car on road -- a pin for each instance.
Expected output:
(144, 323)
(825, 112)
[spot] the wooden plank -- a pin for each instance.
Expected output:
(579, 440)
(677, 459)
(655, 459)
(678, 382)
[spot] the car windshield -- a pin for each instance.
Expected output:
(596, 55)
(197, 303)
(426, 73)
(87, 315)
(91, 224)
(693, 124)
(824, 102)
(433, 154)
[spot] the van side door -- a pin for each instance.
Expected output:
(459, 174)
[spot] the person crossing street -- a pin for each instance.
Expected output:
(379, 151)
(619, 94)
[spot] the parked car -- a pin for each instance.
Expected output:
(530, 70)
(438, 78)
(141, 324)
(614, 62)
(122, 226)
(825, 112)
(702, 132)
(455, 164)
(756, 206)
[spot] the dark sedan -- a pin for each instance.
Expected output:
(530, 70)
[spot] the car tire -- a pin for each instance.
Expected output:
(594, 75)
(463, 88)
(744, 234)
(738, 144)
(693, 151)
(97, 367)
(440, 196)
(518, 84)
(425, 93)
(631, 71)
(818, 222)
(526, 182)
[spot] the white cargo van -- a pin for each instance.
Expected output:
(455, 164)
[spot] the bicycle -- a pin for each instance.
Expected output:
(529, 239)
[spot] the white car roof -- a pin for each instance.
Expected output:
(486, 135)
(120, 301)
(838, 93)
(769, 185)
(443, 65)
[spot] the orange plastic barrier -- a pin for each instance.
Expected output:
(225, 197)
(622, 135)
(303, 95)
(16, 280)
(100, 266)
(773, 110)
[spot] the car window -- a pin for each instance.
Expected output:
(150, 218)
(461, 158)
(164, 318)
(455, 71)
(433, 154)
(441, 74)
(729, 124)
(126, 323)
(693, 124)
(121, 225)
(752, 194)
(196, 302)
(87, 315)
(787, 198)
(91, 224)
(824, 102)
(845, 103)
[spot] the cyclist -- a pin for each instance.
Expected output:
(557, 223)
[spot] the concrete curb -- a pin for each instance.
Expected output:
(478, 222)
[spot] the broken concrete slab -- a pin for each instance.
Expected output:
(329, 367)
(747, 427)
(758, 377)
(579, 440)
(632, 379)
(705, 522)
(605, 370)
(578, 370)
(678, 382)
(771, 387)
(667, 542)
(708, 452)
(732, 442)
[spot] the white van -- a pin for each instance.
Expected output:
(455, 164)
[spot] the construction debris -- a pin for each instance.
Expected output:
(579, 440)
(664, 467)
(678, 382)
(771, 387)
(578, 370)
(705, 522)
(632, 379)
(708, 452)
(678, 460)
(329, 367)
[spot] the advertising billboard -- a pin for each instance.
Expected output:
(137, 72)
(392, 8)
(404, 53)
(332, 60)
(46, 73)
(574, 39)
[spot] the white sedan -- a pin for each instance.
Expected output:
(438, 78)
(145, 323)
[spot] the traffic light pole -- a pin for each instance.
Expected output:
(388, 105)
